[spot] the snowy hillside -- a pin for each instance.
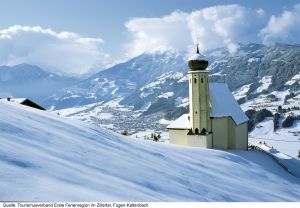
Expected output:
(284, 140)
(48, 157)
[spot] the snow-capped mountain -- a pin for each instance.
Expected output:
(46, 157)
(159, 79)
(141, 80)
(31, 81)
(120, 81)
(259, 76)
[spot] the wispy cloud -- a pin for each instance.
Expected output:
(63, 52)
(217, 26)
(284, 28)
(214, 27)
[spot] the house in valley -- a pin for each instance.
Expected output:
(26, 102)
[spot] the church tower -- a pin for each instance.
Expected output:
(199, 94)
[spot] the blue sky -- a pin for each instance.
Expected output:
(120, 29)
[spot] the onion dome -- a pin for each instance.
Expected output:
(197, 62)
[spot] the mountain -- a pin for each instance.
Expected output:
(120, 81)
(31, 81)
(46, 157)
(140, 94)
(141, 80)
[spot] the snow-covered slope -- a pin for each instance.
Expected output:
(48, 157)
(284, 139)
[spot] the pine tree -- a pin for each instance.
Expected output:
(155, 138)
(276, 121)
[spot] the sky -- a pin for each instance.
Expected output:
(85, 36)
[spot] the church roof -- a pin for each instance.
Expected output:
(18, 100)
(181, 123)
(222, 103)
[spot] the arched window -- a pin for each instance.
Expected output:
(201, 80)
(195, 112)
(196, 131)
(195, 80)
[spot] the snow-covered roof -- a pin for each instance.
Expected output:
(223, 103)
(180, 123)
(197, 56)
(18, 100)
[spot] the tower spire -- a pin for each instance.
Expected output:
(197, 47)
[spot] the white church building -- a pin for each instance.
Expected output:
(215, 119)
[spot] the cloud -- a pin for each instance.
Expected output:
(225, 26)
(284, 28)
(60, 52)
(214, 27)
(158, 33)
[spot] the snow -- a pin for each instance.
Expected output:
(183, 79)
(184, 102)
(146, 135)
(197, 56)
(105, 116)
(18, 100)
(250, 60)
(70, 96)
(296, 78)
(292, 164)
(265, 82)
(224, 104)
(241, 92)
(165, 122)
(45, 157)
(166, 95)
(263, 101)
(113, 103)
(180, 123)
(162, 79)
(281, 95)
(286, 140)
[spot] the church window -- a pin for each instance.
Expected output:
(201, 80)
(195, 80)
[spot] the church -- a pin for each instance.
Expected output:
(215, 119)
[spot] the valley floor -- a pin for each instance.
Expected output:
(44, 156)
(286, 140)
